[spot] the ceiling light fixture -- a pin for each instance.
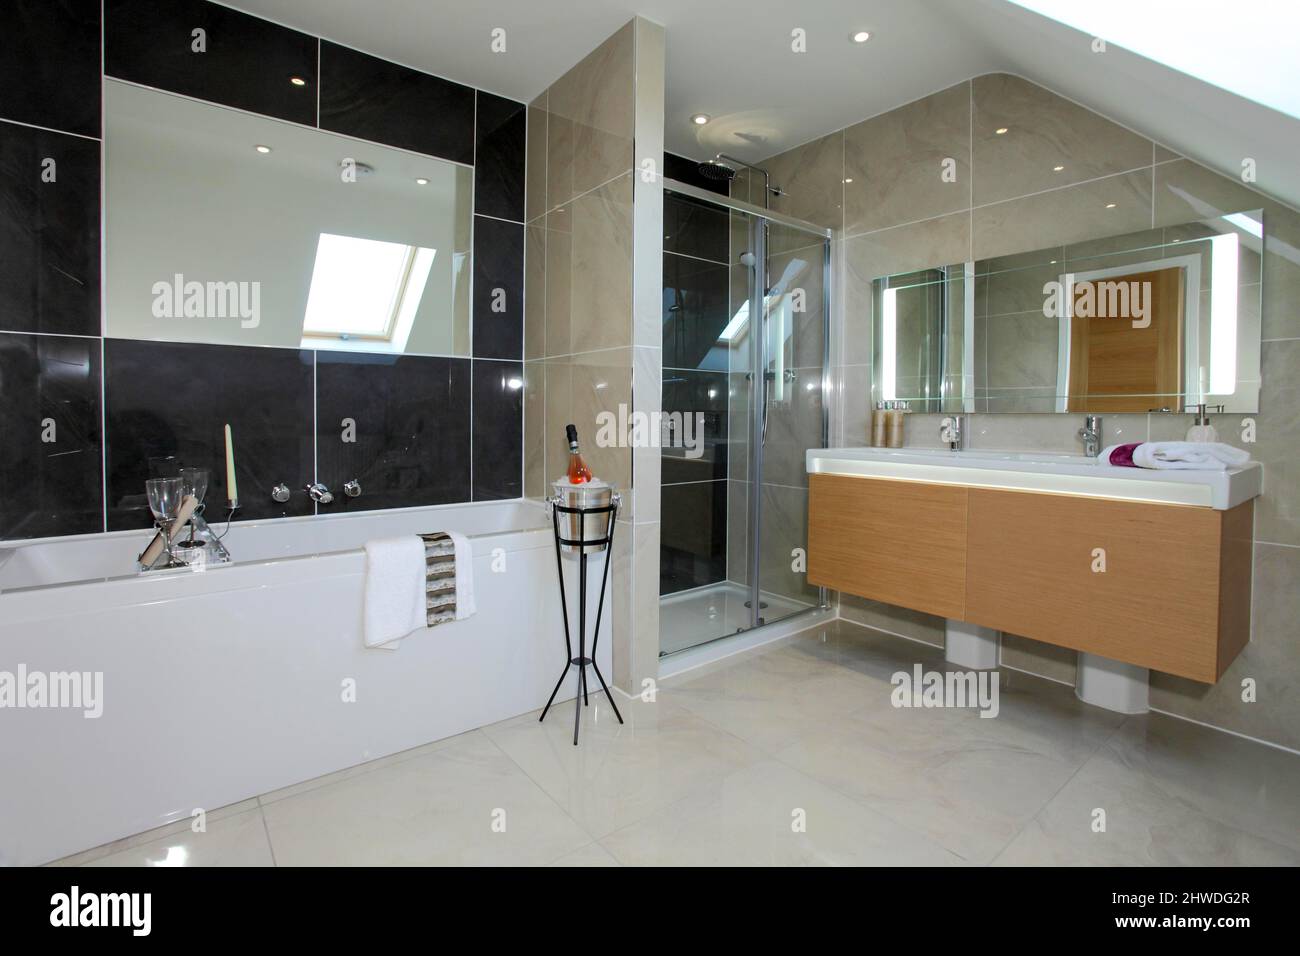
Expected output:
(699, 119)
(297, 81)
(1110, 205)
(1057, 169)
(1000, 130)
(262, 149)
(849, 180)
(422, 181)
(862, 36)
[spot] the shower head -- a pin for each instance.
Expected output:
(717, 169)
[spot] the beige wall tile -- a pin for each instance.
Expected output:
(919, 245)
(1271, 660)
(558, 283)
(535, 169)
(1043, 131)
(535, 289)
(1045, 660)
(809, 179)
(535, 480)
(897, 162)
(601, 270)
(1064, 215)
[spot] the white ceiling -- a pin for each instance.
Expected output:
(732, 60)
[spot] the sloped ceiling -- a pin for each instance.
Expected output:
(732, 59)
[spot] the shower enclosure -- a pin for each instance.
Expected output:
(745, 309)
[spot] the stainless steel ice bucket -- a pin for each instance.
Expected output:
(595, 527)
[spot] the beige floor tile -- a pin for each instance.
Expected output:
(441, 808)
(768, 814)
(620, 774)
(238, 840)
(150, 836)
(593, 854)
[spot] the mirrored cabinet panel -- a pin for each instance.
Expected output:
(1159, 320)
(228, 228)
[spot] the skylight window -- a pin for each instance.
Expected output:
(1246, 47)
(364, 290)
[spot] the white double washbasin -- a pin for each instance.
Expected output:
(1054, 474)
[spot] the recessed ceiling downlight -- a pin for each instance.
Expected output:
(862, 36)
(699, 119)
(262, 149)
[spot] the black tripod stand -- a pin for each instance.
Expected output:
(582, 661)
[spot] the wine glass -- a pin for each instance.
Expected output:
(165, 497)
(194, 481)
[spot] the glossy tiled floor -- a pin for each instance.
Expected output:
(790, 755)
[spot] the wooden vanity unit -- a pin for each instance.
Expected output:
(1174, 594)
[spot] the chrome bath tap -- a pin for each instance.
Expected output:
(1090, 433)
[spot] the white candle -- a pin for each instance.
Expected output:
(232, 492)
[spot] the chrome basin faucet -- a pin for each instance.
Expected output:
(1090, 433)
(952, 433)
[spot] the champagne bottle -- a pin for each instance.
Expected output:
(578, 470)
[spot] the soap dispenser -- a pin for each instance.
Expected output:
(1202, 431)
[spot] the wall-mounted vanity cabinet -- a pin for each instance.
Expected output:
(1045, 550)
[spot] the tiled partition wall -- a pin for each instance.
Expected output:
(593, 287)
(1050, 179)
(433, 429)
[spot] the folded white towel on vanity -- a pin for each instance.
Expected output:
(395, 582)
(1189, 455)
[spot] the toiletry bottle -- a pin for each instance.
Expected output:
(894, 425)
(578, 470)
(878, 415)
(1202, 430)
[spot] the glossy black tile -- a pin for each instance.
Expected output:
(693, 536)
(370, 98)
(49, 64)
(498, 289)
(213, 53)
(695, 304)
(696, 228)
(49, 232)
(167, 405)
(699, 444)
(500, 135)
(498, 429)
(397, 424)
(50, 464)
(688, 171)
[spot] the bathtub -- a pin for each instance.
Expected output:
(226, 683)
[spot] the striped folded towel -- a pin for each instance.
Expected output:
(448, 577)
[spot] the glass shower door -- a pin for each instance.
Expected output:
(790, 416)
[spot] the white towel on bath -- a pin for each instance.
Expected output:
(395, 584)
(465, 605)
(1189, 455)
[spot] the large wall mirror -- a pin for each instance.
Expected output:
(229, 228)
(1159, 320)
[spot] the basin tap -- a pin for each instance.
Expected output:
(952, 432)
(319, 493)
(1090, 433)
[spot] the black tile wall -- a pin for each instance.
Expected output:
(498, 289)
(692, 393)
(246, 62)
(398, 424)
(424, 423)
(498, 429)
(370, 98)
(499, 144)
(49, 232)
(50, 463)
(695, 312)
(688, 171)
(167, 405)
(695, 228)
(693, 536)
(49, 64)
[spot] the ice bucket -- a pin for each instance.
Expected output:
(595, 527)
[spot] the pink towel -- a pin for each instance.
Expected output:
(1122, 455)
